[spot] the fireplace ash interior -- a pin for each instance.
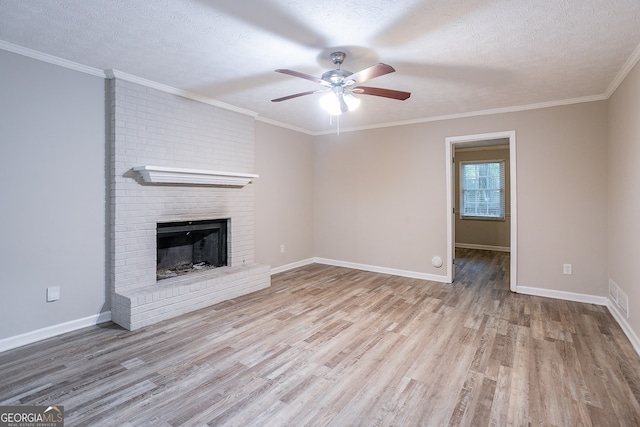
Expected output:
(191, 246)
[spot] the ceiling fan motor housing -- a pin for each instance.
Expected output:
(336, 76)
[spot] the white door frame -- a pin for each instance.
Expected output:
(450, 143)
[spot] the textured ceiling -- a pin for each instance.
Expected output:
(454, 56)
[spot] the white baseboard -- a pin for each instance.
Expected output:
(626, 328)
(567, 296)
(291, 266)
(383, 270)
(51, 331)
(483, 247)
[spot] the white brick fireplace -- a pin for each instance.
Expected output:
(150, 128)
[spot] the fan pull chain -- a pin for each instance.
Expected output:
(337, 123)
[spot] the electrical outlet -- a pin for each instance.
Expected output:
(53, 293)
(566, 268)
(281, 249)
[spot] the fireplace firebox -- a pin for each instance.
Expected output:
(190, 246)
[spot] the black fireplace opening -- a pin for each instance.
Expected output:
(190, 246)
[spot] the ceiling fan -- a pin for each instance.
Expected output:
(340, 85)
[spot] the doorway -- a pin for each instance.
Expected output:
(484, 140)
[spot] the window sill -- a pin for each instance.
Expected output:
(483, 218)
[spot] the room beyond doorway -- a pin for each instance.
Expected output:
(496, 231)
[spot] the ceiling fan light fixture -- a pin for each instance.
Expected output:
(331, 103)
(352, 102)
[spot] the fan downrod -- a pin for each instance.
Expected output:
(337, 76)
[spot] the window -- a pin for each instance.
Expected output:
(482, 189)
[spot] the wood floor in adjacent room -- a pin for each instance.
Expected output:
(330, 346)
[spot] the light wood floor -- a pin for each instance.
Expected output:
(332, 346)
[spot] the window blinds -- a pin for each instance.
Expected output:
(482, 189)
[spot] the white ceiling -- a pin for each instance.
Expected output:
(454, 56)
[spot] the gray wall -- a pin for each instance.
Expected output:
(284, 195)
(380, 195)
(52, 191)
(624, 192)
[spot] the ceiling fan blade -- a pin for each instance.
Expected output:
(303, 76)
(284, 98)
(368, 74)
(386, 93)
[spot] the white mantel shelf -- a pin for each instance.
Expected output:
(168, 175)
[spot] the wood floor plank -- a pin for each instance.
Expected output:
(520, 389)
(331, 346)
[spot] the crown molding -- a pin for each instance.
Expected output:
(34, 54)
(622, 74)
(284, 125)
(110, 74)
(115, 74)
(503, 110)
